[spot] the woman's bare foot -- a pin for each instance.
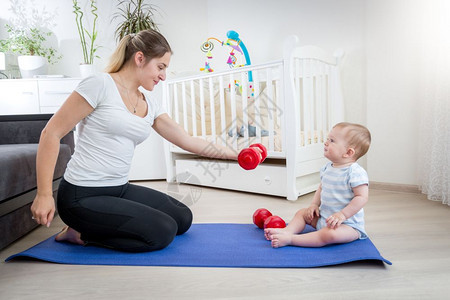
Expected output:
(281, 239)
(69, 235)
(268, 232)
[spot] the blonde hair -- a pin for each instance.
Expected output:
(150, 42)
(358, 137)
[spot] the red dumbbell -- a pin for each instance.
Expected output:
(259, 216)
(249, 158)
(274, 222)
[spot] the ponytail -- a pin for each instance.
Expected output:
(150, 42)
(117, 59)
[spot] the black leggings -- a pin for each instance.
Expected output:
(128, 217)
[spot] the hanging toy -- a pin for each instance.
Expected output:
(231, 60)
(207, 47)
(236, 45)
(233, 35)
(207, 68)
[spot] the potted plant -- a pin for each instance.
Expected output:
(29, 44)
(136, 16)
(87, 38)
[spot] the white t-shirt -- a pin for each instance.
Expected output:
(108, 136)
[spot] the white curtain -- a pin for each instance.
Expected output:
(434, 150)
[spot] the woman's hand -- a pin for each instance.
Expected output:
(43, 209)
(335, 220)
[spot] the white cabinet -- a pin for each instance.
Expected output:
(19, 97)
(34, 96)
(53, 93)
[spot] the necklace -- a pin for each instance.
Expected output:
(128, 95)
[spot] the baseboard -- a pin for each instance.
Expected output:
(395, 187)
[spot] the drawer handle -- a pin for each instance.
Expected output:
(267, 180)
(57, 93)
(27, 93)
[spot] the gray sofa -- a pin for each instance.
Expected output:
(19, 138)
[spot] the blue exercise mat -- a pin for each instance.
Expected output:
(210, 245)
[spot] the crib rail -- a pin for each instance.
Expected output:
(227, 108)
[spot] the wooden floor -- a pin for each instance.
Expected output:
(407, 229)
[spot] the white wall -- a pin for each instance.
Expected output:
(378, 74)
(177, 21)
(393, 45)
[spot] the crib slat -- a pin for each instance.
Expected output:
(306, 96)
(305, 101)
(311, 103)
(175, 103)
(325, 102)
(257, 106)
(298, 81)
(233, 109)
(310, 99)
(202, 109)
(298, 85)
(323, 95)
(168, 98)
(244, 85)
(316, 115)
(320, 95)
(193, 110)
(183, 97)
(222, 111)
(212, 107)
(270, 114)
(279, 102)
(327, 107)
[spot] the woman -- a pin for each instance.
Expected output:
(94, 198)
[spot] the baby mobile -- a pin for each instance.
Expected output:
(237, 46)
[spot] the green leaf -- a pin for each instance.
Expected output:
(88, 45)
(135, 15)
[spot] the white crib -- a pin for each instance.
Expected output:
(288, 105)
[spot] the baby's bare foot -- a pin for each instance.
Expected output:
(269, 232)
(281, 239)
(69, 235)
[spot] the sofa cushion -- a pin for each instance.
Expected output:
(23, 132)
(18, 168)
(22, 129)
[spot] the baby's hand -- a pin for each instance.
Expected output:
(335, 220)
(310, 212)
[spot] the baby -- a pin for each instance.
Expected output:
(336, 210)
